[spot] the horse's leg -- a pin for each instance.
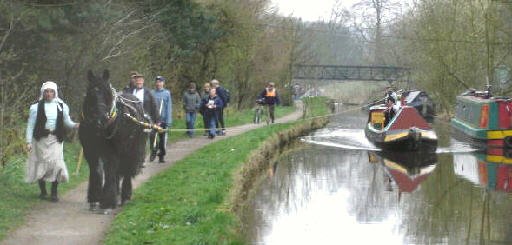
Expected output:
(126, 194)
(109, 189)
(118, 187)
(94, 190)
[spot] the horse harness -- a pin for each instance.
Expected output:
(112, 115)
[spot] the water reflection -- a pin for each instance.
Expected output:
(407, 169)
(492, 172)
(330, 195)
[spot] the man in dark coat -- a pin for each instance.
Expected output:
(211, 106)
(144, 95)
(148, 101)
(271, 99)
(129, 88)
(223, 95)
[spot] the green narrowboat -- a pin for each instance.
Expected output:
(483, 120)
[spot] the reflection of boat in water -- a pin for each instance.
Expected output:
(407, 130)
(408, 169)
(491, 169)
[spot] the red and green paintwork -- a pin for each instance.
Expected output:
(495, 172)
(483, 119)
(407, 130)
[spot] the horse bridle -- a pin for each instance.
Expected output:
(112, 114)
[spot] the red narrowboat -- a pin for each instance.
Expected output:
(407, 130)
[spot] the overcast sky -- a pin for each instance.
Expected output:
(312, 10)
(309, 10)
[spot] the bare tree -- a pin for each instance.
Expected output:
(380, 12)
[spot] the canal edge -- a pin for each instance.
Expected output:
(261, 159)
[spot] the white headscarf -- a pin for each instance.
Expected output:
(53, 86)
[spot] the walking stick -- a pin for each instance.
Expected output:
(160, 114)
(79, 164)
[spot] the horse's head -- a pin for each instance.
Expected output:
(99, 102)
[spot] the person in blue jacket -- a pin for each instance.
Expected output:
(211, 106)
(163, 101)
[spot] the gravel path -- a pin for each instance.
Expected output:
(70, 222)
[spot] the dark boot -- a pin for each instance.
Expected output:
(54, 197)
(42, 187)
(153, 156)
(161, 159)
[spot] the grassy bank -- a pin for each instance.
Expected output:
(193, 202)
(16, 197)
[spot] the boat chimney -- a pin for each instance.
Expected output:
(488, 87)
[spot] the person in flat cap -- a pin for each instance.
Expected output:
(270, 98)
(44, 137)
(145, 96)
(163, 101)
(131, 85)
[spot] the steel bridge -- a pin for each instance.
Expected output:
(350, 73)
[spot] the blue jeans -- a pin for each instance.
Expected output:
(191, 121)
(212, 121)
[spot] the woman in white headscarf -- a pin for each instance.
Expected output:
(45, 134)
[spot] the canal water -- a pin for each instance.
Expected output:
(335, 187)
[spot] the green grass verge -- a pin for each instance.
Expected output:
(186, 204)
(16, 197)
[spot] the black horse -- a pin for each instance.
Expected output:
(114, 145)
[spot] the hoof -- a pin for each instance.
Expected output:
(93, 206)
(106, 211)
(124, 202)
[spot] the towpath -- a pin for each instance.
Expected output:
(69, 221)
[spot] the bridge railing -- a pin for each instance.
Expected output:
(360, 73)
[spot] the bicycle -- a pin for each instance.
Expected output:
(258, 112)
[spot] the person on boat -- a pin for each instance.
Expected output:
(390, 111)
(390, 94)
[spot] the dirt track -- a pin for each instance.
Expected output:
(70, 222)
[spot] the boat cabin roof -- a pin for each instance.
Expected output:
(411, 96)
(480, 96)
(483, 99)
(378, 107)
